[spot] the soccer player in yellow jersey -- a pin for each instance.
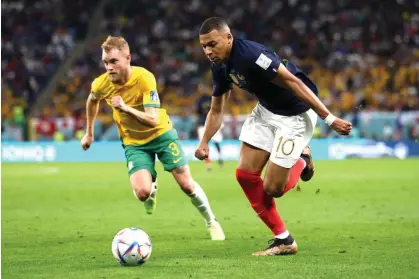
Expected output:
(145, 130)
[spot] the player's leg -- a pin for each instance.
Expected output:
(285, 167)
(290, 157)
(276, 176)
(173, 160)
(217, 139)
(143, 176)
(141, 184)
(279, 180)
(208, 163)
(308, 171)
(199, 199)
(248, 174)
(220, 154)
(284, 179)
(207, 160)
(257, 139)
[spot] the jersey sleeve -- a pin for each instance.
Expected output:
(264, 63)
(95, 91)
(220, 83)
(150, 95)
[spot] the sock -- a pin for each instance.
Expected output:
(283, 235)
(261, 203)
(294, 175)
(200, 201)
(153, 189)
(305, 158)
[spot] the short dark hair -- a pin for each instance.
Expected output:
(212, 23)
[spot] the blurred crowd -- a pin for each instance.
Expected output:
(36, 37)
(363, 55)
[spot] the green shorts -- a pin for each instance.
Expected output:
(167, 147)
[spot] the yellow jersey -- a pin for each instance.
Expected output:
(139, 92)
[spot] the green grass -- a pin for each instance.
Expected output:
(58, 221)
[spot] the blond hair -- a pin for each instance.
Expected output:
(112, 42)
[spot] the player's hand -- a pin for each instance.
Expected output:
(117, 102)
(86, 141)
(342, 127)
(202, 151)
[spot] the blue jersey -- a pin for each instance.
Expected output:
(203, 107)
(252, 66)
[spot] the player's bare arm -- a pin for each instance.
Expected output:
(215, 116)
(148, 117)
(286, 79)
(212, 124)
(92, 108)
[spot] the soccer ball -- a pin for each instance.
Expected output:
(131, 246)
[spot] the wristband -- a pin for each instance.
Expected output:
(330, 119)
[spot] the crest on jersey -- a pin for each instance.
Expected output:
(238, 78)
(234, 79)
(154, 97)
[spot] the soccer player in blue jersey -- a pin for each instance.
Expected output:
(203, 106)
(278, 130)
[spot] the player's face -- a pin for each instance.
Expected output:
(116, 63)
(216, 45)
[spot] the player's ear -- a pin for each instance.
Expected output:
(229, 37)
(129, 57)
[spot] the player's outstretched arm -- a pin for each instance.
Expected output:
(214, 119)
(212, 124)
(148, 117)
(285, 78)
(92, 108)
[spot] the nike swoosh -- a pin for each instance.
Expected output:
(258, 213)
(177, 160)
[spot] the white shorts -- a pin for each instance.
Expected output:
(284, 137)
(218, 137)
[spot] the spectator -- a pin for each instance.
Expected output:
(362, 54)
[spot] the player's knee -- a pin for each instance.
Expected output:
(184, 179)
(186, 183)
(142, 193)
(274, 192)
(187, 186)
(274, 188)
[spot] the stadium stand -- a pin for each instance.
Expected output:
(362, 55)
(36, 37)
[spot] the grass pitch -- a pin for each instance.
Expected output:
(355, 219)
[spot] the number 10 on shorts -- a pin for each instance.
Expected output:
(284, 146)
